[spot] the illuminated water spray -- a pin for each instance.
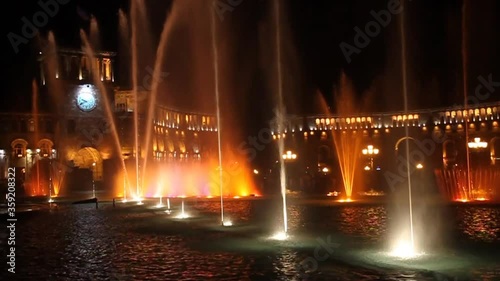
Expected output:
(280, 120)
(183, 214)
(406, 249)
(217, 104)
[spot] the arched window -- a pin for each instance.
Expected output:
(19, 147)
(45, 147)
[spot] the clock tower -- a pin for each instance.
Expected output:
(82, 89)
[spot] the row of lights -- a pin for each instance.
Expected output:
(380, 126)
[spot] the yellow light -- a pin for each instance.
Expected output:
(280, 236)
(325, 170)
(255, 171)
(404, 249)
(477, 143)
(367, 168)
(420, 166)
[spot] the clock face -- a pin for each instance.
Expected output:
(86, 100)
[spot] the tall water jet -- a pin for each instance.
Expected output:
(51, 72)
(217, 105)
(406, 248)
(280, 115)
(183, 214)
(465, 82)
(347, 143)
(95, 41)
(135, 90)
(35, 112)
(51, 78)
(124, 52)
(104, 94)
(156, 80)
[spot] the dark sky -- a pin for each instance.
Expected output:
(313, 59)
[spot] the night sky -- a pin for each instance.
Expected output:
(313, 60)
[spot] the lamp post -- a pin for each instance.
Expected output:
(50, 180)
(289, 155)
(38, 168)
(477, 144)
(93, 180)
(370, 151)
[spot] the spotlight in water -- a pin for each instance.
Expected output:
(481, 199)
(124, 200)
(404, 250)
(345, 200)
(227, 223)
(138, 200)
(182, 215)
(168, 211)
(159, 205)
(281, 236)
(51, 200)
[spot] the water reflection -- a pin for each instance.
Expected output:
(368, 222)
(135, 243)
(479, 223)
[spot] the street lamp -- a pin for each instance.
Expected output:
(370, 151)
(289, 155)
(93, 180)
(477, 144)
(50, 181)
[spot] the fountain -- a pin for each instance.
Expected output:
(218, 116)
(472, 181)
(182, 177)
(104, 94)
(405, 246)
(347, 143)
(465, 89)
(135, 82)
(280, 118)
(183, 214)
(483, 183)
